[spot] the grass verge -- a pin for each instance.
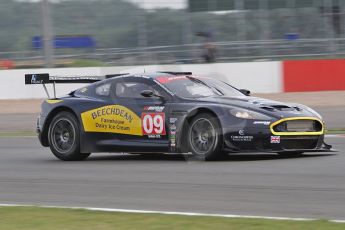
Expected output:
(85, 63)
(335, 131)
(35, 218)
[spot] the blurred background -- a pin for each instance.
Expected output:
(78, 33)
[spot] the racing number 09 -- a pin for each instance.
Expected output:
(153, 123)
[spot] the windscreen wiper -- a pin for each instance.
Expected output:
(218, 90)
(197, 81)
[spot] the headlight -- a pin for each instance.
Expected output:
(247, 114)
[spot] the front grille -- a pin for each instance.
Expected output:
(299, 143)
(298, 126)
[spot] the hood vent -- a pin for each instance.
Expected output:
(267, 108)
(279, 108)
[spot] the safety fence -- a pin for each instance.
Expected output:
(258, 77)
(194, 53)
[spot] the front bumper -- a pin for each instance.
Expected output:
(269, 143)
(262, 137)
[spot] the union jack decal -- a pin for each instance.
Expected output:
(275, 139)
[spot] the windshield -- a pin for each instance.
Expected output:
(192, 87)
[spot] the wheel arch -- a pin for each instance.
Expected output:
(50, 117)
(184, 130)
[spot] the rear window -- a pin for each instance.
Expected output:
(132, 89)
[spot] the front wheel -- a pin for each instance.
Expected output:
(205, 137)
(64, 137)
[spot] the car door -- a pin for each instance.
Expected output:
(146, 116)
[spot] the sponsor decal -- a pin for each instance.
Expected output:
(261, 122)
(173, 120)
(154, 108)
(172, 128)
(34, 80)
(165, 80)
(112, 119)
(153, 124)
(172, 135)
(275, 139)
(154, 136)
(173, 140)
(242, 138)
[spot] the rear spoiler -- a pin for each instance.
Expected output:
(45, 78)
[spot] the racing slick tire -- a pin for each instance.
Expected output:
(205, 137)
(64, 137)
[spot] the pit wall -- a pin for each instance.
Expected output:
(259, 77)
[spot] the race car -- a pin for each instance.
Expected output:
(171, 112)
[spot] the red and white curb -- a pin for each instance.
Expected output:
(171, 213)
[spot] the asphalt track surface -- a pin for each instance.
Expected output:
(253, 184)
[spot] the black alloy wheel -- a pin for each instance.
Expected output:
(64, 137)
(205, 137)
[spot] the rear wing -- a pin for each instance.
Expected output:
(45, 78)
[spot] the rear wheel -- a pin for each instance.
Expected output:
(205, 137)
(64, 137)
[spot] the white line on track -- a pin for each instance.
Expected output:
(171, 213)
(336, 136)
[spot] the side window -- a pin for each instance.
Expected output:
(131, 89)
(103, 90)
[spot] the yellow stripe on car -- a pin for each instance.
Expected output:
(53, 101)
(297, 133)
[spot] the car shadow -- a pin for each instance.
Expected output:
(137, 157)
(272, 156)
(181, 157)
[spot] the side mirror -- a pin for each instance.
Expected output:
(147, 93)
(245, 92)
